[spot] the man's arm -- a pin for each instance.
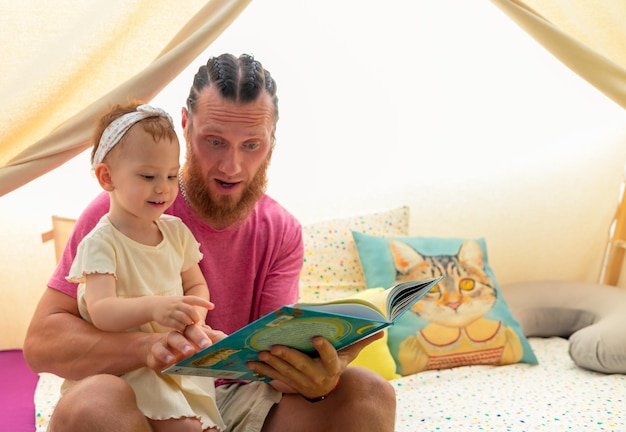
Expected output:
(60, 342)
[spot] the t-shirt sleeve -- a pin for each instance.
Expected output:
(281, 284)
(85, 223)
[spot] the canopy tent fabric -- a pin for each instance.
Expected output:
(65, 61)
(590, 38)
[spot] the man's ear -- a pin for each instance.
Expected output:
(184, 115)
(103, 174)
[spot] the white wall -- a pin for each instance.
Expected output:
(443, 105)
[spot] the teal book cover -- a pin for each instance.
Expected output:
(343, 322)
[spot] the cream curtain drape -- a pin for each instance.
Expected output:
(64, 61)
(590, 38)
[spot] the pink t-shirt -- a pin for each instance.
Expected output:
(251, 270)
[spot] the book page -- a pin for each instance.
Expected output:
(405, 294)
(355, 307)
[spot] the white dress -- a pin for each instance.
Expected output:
(142, 270)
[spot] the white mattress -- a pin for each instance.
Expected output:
(555, 395)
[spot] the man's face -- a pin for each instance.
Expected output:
(229, 146)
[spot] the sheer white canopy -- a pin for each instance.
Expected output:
(588, 37)
(64, 61)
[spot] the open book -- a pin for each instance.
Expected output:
(343, 322)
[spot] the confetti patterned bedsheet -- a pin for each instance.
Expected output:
(555, 395)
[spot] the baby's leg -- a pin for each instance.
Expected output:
(185, 424)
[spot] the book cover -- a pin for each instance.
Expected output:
(343, 322)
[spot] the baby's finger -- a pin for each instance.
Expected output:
(198, 301)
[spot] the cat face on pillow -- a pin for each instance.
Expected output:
(464, 295)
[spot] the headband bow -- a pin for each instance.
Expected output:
(114, 132)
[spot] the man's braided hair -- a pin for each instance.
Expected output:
(240, 79)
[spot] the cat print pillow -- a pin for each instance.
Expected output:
(464, 320)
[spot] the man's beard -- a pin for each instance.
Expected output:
(225, 210)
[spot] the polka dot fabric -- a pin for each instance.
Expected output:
(47, 394)
(331, 266)
(555, 395)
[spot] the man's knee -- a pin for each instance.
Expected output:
(106, 390)
(365, 386)
(92, 401)
(358, 376)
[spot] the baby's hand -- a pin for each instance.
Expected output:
(179, 312)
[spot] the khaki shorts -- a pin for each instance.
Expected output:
(244, 407)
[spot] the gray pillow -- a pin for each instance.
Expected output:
(592, 316)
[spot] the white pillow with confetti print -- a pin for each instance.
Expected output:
(331, 266)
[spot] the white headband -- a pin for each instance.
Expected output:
(114, 132)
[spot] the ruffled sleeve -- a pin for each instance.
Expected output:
(94, 255)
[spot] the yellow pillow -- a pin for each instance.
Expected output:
(376, 356)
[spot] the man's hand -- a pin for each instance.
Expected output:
(174, 346)
(294, 371)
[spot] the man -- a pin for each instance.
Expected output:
(253, 253)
